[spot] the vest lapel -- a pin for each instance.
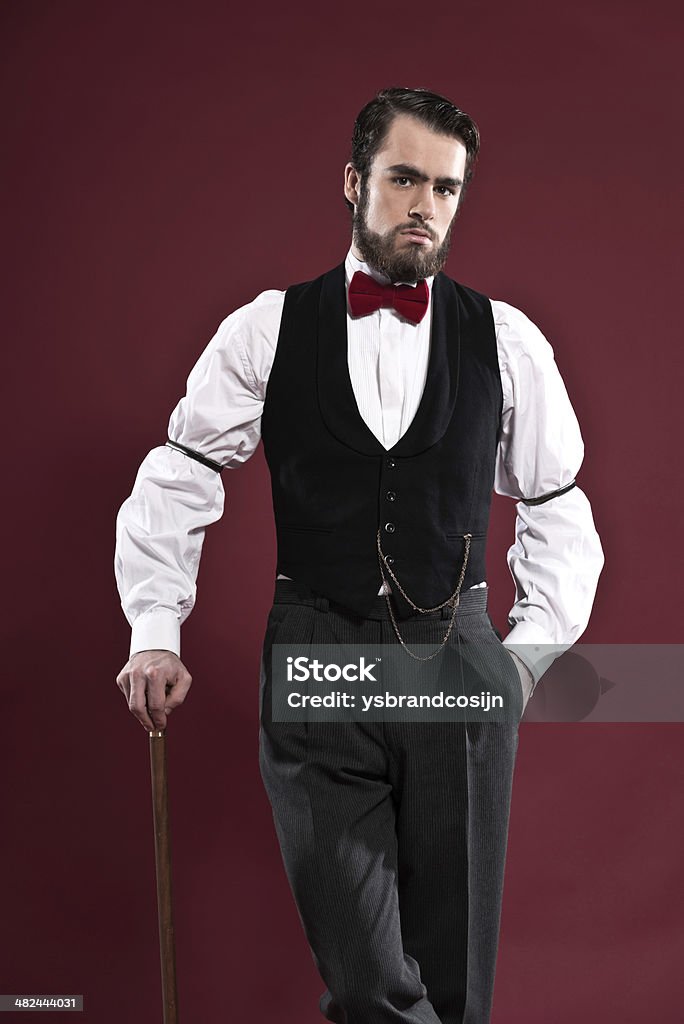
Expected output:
(441, 386)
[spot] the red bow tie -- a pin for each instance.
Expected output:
(366, 295)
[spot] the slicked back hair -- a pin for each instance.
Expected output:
(434, 111)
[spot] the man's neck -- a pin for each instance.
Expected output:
(355, 252)
(377, 274)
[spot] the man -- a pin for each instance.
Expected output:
(397, 400)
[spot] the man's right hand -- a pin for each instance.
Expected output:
(154, 683)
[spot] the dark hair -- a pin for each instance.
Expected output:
(435, 111)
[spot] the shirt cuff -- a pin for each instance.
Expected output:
(531, 645)
(157, 630)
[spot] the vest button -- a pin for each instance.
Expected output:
(391, 463)
(389, 560)
(390, 527)
(390, 496)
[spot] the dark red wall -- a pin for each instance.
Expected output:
(163, 164)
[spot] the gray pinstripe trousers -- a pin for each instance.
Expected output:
(393, 834)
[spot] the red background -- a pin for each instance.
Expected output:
(163, 164)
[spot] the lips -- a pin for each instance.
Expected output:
(417, 236)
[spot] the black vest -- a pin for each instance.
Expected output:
(334, 483)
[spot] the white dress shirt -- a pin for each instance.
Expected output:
(555, 560)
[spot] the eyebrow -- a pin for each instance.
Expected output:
(408, 171)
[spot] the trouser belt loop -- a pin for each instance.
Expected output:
(321, 604)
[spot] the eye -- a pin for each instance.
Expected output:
(402, 177)
(446, 190)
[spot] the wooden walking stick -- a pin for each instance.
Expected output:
(162, 853)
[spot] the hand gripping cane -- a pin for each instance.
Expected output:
(162, 854)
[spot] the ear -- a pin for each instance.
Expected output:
(352, 184)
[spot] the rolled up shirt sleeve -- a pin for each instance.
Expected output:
(557, 556)
(160, 527)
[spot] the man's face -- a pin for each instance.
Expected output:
(406, 205)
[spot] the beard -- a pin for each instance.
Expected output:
(408, 264)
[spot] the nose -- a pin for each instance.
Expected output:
(423, 207)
